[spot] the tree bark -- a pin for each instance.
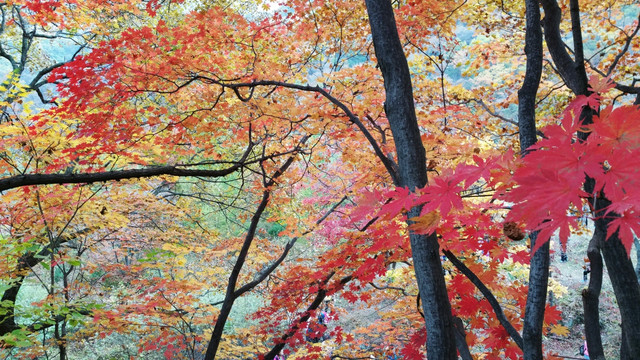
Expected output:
(539, 264)
(536, 300)
(621, 272)
(591, 297)
(400, 111)
(637, 243)
(533, 73)
(116, 175)
(625, 286)
(461, 339)
(553, 37)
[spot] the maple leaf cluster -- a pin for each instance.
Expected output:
(551, 193)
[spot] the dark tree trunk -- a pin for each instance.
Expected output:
(621, 272)
(637, 243)
(625, 286)
(230, 295)
(529, 89)
(624, 351)
(574, 79)
(591, 297)
(7, 320)
(536, 300)
(539, 265)
(461, 339)
(400, 111)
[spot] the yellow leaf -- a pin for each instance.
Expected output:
(559, 330)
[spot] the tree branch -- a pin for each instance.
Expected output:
(624, 50)
(262, 274)
(387, 162)
(564, 63)
(231, 293)
(317, 301)
(175, 170)
(495, 305)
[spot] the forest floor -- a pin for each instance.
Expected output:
(571, 275)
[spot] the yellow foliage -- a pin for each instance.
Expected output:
(559, 330)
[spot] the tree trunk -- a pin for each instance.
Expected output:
(624, 351)
(7, 320)
(230, 295)
(536, 300)
(461, 339)
(626, 288)
(400, 111)
(533, 72)
(621, 271)
(591, 298)
(637, 243)
(539, 264)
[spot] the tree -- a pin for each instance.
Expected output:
(219, 104)
(413, 174)
(539, 264)
(573, 72)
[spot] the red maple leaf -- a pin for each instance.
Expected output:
(581, 101)
(616, 129)
(497, 339)
(401, 199)
(442, 193)
(621, 174)
(411, 351)
(626, 224)
(599, 84)
(552, 315)
(368, 204)
(559, 221)
(545, 193)
(575, 159)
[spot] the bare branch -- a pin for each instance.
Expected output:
(624, 50)
(388, 163)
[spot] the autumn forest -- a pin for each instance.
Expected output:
(319, 179)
